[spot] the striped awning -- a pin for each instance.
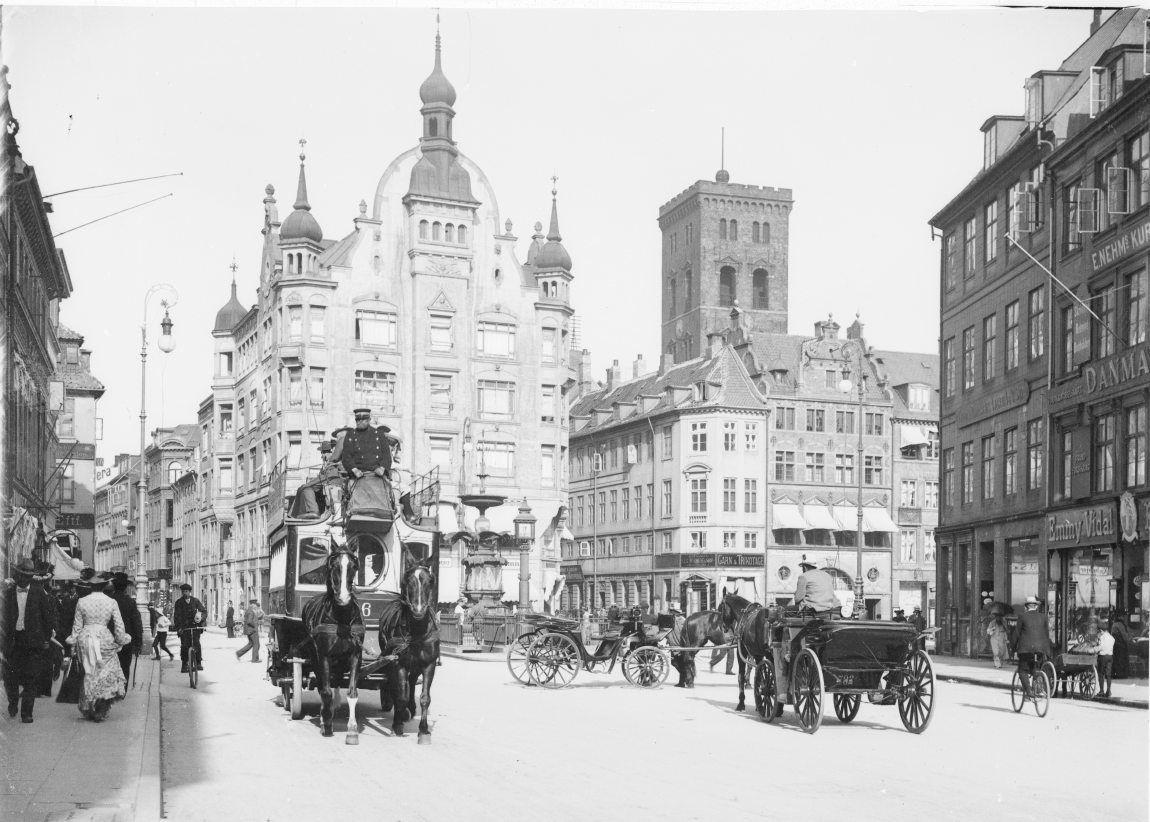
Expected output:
(786, 515)
(913, 435)
(819, 516)
(877, 520)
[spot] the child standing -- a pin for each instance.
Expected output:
(161, 640)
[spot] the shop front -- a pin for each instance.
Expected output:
(1084, 568)
(695, 582)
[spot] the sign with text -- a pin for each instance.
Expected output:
(1118, 370)
(707, 560)
(1010, 397)
(1088, 525)
(1133, 239)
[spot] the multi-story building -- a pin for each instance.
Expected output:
(166, 460)
(34, 278)
(1055, 210)
(422, 313)
(116, 516)
(758, 457)
(78, 427)
(186, 504)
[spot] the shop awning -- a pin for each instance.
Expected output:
(788, 516)
(913, 435)
(846, 515)
(819, 516)
(877, 520)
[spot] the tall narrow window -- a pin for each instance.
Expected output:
(734, 229)
(949, 376)
(948, 475)
(989, 346)
(1036, 322)
(1067, 463)
(751, 496)
(950, 264)
(1135, 446)
(316, 315)
(967, 473)
(722, 228)
(315, 387)
(726, 286)
(1035, 440)
(550, 345)
(970, 247)
(968, 359)
(1138, 161)
(1071, 238)
(730, 494)
(990, 237)
(1009, 460)
(1066, 340)
(1104, 447)
(988, 467)
(1104, 328)
(666, 498)
(1011, 352)
(759, 282)
(729, 436)
(1136, 308)
(295, 322)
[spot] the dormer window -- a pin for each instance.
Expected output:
(1033, 101)
(72, 354)
(918, 398)
(989, 147)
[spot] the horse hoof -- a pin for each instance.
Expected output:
(740, 707)
(351, 739)
(326, 732)
(425, 739)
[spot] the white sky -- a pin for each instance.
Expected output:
(871, 117)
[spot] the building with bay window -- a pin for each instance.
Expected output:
(425, 314)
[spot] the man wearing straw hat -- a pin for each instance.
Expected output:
(28, 617)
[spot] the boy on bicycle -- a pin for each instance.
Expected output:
(1029, 639)
(189, 613)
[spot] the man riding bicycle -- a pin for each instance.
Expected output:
(189, 613)
(1030, 639)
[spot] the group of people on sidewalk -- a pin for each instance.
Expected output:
(92, 630)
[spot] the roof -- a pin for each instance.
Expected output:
(338, 252)
(63, 332)
(229, 316)
(437, 88)
(301, 224)
(906, 368)
(76, 378)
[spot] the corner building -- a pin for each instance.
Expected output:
(1043, 410)
(423, 313)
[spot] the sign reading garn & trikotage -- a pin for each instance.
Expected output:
(1088, 525)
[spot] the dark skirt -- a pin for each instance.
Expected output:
(73, 682)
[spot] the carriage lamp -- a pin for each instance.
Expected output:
(166, 343)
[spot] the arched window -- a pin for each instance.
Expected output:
(546, 290)
(687, 289)
(432, 127)
(424, 227)
(727, 286)
(759, 281)
(449, 233)
(723, 228)
(734, 229)
(755, 231)
(674, 294)
(766, 234)
(437, 232)
(175, 471)
(461, 235)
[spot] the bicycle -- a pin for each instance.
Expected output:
(1039, 689)
(193, 655)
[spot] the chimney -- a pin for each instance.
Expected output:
(855, 330)
(1096, 23)
(638, 368)
(714, 344)
(614, 376)
(827, 329)
(586, 383)
(667, 362)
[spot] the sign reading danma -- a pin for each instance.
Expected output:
(1117, 370)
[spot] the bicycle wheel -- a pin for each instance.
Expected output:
(1017, 700)
(193, 667)
(1040, 692)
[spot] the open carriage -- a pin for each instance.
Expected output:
(313, 526)
(813, 658)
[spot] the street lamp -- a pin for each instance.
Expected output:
(846, 384)
(525, 537)
(166, 344)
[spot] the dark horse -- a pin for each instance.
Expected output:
(407, 629)
(746, 620)
(335, 626)
(699, 629)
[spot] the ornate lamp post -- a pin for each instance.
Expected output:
(166, 344)
(525, 537)
(846, 385)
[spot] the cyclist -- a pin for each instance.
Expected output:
(189, 613)
(1029, 639)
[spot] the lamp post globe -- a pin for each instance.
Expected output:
(166, 343)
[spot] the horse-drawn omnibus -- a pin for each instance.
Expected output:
(381, 547)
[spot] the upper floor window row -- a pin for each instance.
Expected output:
(438, 232)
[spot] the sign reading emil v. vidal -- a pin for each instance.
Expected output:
(1090, 525)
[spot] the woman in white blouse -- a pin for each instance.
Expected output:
(98, 632)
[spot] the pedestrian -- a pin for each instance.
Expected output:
(461, 607)
(66, 607)
(153, 615)
(188, 613)
(133, 624)
(230, 621)
(613, 613)
(1030, 639)
(998, 635)
(585, 626)
(28, 621)
(252, 617)
(1105, 660)
(96, 646)
(161, 633)
(1123, 642)
(728, 654)
(899, 615)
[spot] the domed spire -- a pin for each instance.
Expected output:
(553, 254)
(233, 311)
(437, 88)
(300, 224)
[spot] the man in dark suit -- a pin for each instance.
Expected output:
(1028, 640)
(29, 623)
(365, 449)
(230, 620)
(133, 624)
(188, 613)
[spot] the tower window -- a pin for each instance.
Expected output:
(432, 127)
(734, 229)
(723, 228)
(727, 286)
(437, 232)
(687, 288)
(424, 229)
(765, 234)
(759, 281)
(461, 234)
(755, 231)
(546, 290)
(449, 233)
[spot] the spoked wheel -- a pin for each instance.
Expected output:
(766, 690)
(1040, 692)
(847, 706)
(647, 666)
(1088, 683)
(297, 690)
(916, 702)
(517, 660)
(809, 688)
(193, 668)
(1051, 676)
(1017, 697)
(554, 661)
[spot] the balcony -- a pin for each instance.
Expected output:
(697, 519)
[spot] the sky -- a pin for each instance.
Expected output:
(871, 117)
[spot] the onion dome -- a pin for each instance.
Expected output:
(300, 224)
(553, 254)
(228, 316)
(437, 88)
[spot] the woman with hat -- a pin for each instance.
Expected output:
(98, 634)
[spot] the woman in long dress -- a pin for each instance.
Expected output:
(98, 633)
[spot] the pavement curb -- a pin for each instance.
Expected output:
(481, 656)
(1002, 686)
(149, 791)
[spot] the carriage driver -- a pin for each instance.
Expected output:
(815, 590)
(365, 449)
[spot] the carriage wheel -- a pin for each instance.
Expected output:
(916, 702)
(1088, 683)
(847, 706)
(297, 690)
(1040, 688)
(1051, 675)
(809, 689)
(1017, 698)
(517, 660)
(554, 661)
(647, 666)
(285, 695)
(767, 691)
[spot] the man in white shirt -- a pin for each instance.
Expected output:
(1105, 660)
